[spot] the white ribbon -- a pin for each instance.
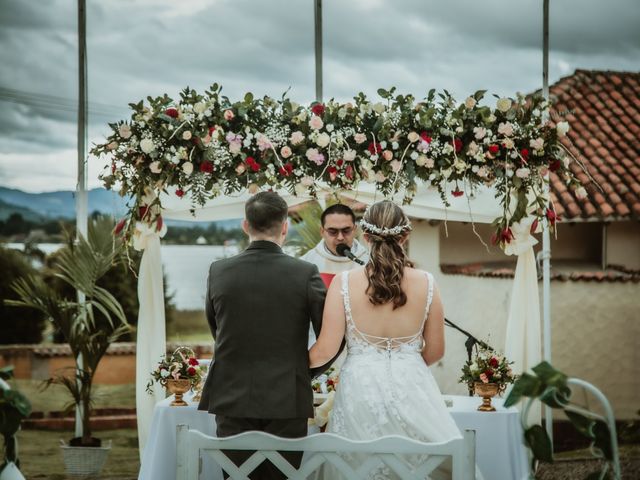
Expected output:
(522, 238)
(144, 234)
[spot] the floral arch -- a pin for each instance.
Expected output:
(206, 149)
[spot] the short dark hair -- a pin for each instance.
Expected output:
(265, 212)
(338, 208)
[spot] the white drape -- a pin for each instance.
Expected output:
(151, 338)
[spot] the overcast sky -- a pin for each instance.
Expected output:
(149, 47)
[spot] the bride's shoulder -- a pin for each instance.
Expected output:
(415, 272)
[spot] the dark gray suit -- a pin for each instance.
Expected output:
(259, 305)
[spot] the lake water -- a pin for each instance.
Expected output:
(185, 268)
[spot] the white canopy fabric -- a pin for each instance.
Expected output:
(523, 343)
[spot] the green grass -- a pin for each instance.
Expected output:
(41, 457)
(189, 326)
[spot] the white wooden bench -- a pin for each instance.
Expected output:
(324, 448)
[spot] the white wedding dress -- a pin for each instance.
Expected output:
(386, 388)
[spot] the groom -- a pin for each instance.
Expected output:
(259, 305)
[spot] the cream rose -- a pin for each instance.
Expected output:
(187, 167)
(503, 104)
(581, 193)
(155, 167)
(378, 108)
(349, 155)
(479, 132)
(505, 129)
(186, 135)
(285, 152)
(413, 137)
(296, 137)
(396, 166)
(147, 145)
(537, 144)
(323, 140)
(470, 102)
(562, 128)
(124, 130)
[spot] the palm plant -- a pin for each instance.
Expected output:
(307, 228)
(88, 335)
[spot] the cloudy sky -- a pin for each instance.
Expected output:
(149, 47)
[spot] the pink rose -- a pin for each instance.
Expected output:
(228, 115)
(285, 152)
(396, 166)
(241, 168)
(387, 155)
(484, 378)
(360, 137)
(296, 137)
(316, 122)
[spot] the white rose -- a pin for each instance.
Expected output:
(235, 148)
(413, 137)
(349, 155)
(316, 122)
(472, 148)
(470, 102)
(323, 139)
(421, 161)
(342, 113)
(378, 108)
(562, 128)
(199, 108)
(307, 181)
(505, 129)
(537, 144)
(522, 172)
(581, 193)
(359, 137)
(414, 155)
(124, 130)
(187, 167)
(186, 135)
(296, 137)
(508, 144)
(146, 145)
(503, 104)
(479, 132)
(330, 128)
(155, 167)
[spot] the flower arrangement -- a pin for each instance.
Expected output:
(325, 383)
(487, 367)
(179, 365)
(205, 145)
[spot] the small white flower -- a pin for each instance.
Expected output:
(383, 144)
(330, 127)
(187, 167)
(414, 155)
(155, 167)
(508, 143)
(342, 113)
(124, 130)
(503, 104)
(186, 135)
(562, 128)
(164, 373)
(581, 193)
(470, 102)
(147, 145)
(349, 155)
(395, 145)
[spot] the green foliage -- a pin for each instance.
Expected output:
(90, 324)
(307, 228)
(550, 387)
(17, 325)
(14, 407)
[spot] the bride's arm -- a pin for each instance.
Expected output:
(434, 331)
(333, 327)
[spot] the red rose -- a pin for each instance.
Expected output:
(179, 193)
(211, 130)
(318, 109)
(426, 137)
(534, 227)
(506, 235)
(551, 216)
(340, 162)
(120, 226)
(457, 144)
(493, 149)
(206, 167)
(286, 169)
(525, 154)
(374, 148)
(172, 112)
(193, 361)
(493, 362)
(488, 373)
(253, 165)
(191, 371)
(457, 192)
(555, 165)
(333, 173)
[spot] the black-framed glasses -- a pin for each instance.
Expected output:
(334, 232)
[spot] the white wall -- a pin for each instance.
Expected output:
(623, 244)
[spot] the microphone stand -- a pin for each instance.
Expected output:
(469, 343)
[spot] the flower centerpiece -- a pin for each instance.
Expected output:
(487, 374)
(326, 382)
(178, 372)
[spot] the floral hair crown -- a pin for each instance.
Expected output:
(384, 231)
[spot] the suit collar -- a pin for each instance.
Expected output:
(264, 245)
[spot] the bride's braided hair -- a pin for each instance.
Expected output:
(386, 225)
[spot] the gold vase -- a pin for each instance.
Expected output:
(487, 391)
(178, 388)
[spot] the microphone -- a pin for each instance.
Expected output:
(344, 251)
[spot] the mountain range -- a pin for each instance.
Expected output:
(62, 204)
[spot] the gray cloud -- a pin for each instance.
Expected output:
(149, 47)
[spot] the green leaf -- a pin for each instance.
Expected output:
(248, 97)
(603, 439)
(526, 386)
(6, 372)
(537, 439)
(383, 93)
(550, 375)
(555, 397)
(582, 424)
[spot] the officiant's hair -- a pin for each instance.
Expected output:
(265, 212)
(337, 209)
(385, 225)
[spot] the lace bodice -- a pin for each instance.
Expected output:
(359, 342)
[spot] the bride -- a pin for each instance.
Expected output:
(392, 318)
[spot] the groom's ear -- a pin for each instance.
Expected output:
(285, 228)
(245, 227)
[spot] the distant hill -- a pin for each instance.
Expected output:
(62, 204)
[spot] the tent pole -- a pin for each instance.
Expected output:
(317, 16)
(546, 238)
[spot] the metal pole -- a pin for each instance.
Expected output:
(81, 187)
(317, 16)
(546, 238)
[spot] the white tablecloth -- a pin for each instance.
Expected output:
(500, 452)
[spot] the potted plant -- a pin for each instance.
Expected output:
(14, 407)
(178, 372)
(487, 374)
(89, 325)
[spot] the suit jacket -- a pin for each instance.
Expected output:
(259, 305)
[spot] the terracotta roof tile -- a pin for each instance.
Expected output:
(603, 109)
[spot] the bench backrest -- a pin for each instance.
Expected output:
(325, 448)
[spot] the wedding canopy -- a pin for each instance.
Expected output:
(523, 342)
